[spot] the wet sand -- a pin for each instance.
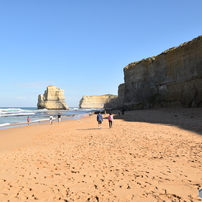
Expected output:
(148, 155)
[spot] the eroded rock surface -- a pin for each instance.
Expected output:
(170, 79)
(52, 99)
(98, 101)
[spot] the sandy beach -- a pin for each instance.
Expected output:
(148, 155)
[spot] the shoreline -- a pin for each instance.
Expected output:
(16, 116)
(148, 155)
(64, 118)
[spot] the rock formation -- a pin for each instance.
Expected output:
(52, 99)
(120, 98)
(117, 103)
(98, 101)
(170, 79)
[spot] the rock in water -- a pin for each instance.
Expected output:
(52, 99)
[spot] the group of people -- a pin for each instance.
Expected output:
(52, 119)
(100, 120)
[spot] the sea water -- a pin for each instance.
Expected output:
(17, 116)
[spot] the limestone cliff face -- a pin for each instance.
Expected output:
(171, 79)
(52, 99)
(98, 101)
(120, 99)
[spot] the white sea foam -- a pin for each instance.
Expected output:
(4, 112)
(17, 114)
(14, 117)
(4, 124)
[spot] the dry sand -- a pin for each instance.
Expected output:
(149, 155)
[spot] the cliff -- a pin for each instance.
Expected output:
(98, 101)
(120, 99)
(170, 79)
(52, 99)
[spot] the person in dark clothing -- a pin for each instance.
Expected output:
(59, 118)
(99, 120)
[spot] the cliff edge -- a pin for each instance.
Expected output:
(170, 79)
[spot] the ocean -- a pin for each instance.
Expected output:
(17, 116)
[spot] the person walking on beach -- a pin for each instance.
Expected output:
(99, 120)
(28, 120)
(51, 119)
(59, 118)
(110, 120)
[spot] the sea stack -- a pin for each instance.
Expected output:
(52, 99)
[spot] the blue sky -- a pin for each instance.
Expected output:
(82, 46)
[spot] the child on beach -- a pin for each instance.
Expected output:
(110, 119)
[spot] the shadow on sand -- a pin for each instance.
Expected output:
(93, 129)
(185, 118)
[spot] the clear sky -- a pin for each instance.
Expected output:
(82, 46)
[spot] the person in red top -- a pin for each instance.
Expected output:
(110, 119)
(28, 120)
